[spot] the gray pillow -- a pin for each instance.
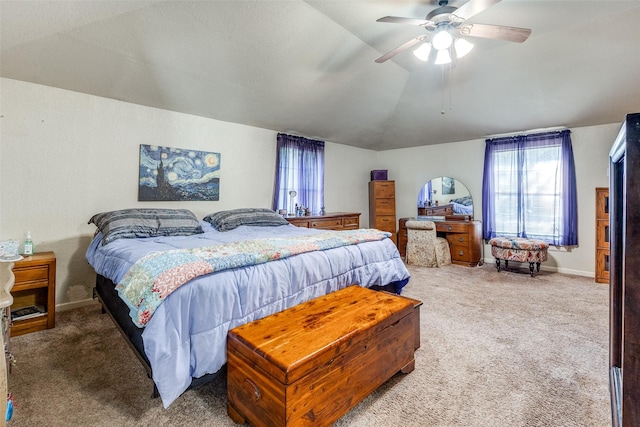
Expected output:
(132, 223)
(228, 220)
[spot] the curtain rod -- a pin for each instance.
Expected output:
(527, 132)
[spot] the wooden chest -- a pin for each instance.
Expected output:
(310, 364)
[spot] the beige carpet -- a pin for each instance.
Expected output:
(498, 349)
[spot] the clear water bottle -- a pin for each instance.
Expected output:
(27, 249)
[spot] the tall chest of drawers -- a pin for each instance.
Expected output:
(382, 206)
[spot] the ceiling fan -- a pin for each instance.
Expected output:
(446, 26)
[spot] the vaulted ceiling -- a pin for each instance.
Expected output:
(307, 67)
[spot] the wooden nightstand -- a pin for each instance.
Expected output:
(35, 285)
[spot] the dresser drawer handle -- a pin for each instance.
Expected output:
(449, 228)
(460, 253)
(253, 388)
(460, 239)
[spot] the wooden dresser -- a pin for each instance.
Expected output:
(329, 221)
(464, 237)
(382, 206)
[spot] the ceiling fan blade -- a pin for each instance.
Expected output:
(471, 8)
(401, 20)
(500, 32)
(399, 49)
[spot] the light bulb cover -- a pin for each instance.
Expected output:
(443, 57)
(462, 47)
(442, 39)
(422, 52)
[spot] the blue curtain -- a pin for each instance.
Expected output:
(299, 168)
(424, 197)
(529, 188)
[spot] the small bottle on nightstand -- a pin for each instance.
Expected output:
(28, 245)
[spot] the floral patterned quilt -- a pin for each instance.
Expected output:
(152, 278)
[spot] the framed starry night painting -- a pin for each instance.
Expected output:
(176, 174)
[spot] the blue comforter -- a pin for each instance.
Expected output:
(186, 337)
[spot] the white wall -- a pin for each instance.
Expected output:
(66, 156)
(412, 168)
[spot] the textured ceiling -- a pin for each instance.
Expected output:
(307, 67)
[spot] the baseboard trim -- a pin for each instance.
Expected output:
(71, 305)
(492, 261)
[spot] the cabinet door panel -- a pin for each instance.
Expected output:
(602, 234)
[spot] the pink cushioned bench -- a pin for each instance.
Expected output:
(519, 249)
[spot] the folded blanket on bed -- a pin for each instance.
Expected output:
(152, 278)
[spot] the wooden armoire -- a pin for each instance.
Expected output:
(624, 276)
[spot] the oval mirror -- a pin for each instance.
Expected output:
(445, 196)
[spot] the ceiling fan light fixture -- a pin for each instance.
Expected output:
(443, 57)
(462, 47)
(423, 51)
(442, 39)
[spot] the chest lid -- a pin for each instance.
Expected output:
(290, 344)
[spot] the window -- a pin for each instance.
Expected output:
(299, 169)
(529, 188)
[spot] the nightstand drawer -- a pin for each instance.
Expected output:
(30, 274)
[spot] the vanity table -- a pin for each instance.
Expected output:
(464, 237)
(448, 203)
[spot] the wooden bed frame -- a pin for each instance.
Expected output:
(116, 308)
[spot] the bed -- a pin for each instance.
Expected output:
(181, 337)
(462, 205)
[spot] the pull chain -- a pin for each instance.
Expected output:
(443, 89)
